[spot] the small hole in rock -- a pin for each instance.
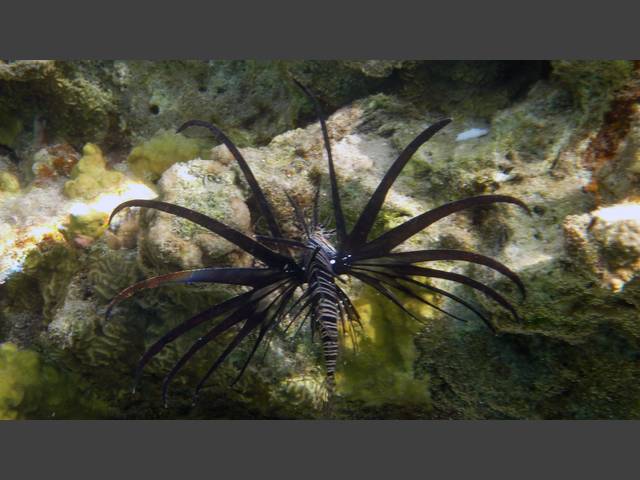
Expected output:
(154, 109)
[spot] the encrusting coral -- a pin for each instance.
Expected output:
(151, 158)
(9, 183)
(90, 177)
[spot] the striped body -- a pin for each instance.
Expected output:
(320, 275)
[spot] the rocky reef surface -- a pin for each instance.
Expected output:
(77, 138)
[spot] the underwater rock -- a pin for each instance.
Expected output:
(608, 241)
(73, 101)
(294, 162)
(26, 218)
(619, 177)
(76, 319)
(377, 68)
(466, 369)
(571, 357)
(466, 90)
(120, 103)
(207, 187)
(78, 326)
(592, 83)
(250, 100)
(30, 296)
(116, 103)
(51, 267)
(25, 70)
(54, 160)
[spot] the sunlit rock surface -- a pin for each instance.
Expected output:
(207, 187)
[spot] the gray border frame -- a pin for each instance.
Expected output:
(327, 29)
(410, 449)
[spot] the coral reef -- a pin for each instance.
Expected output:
(46, 273)
(564, 136)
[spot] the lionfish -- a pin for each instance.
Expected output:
(316, 267)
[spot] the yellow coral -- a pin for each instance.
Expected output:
(82, 187)
(18, 372)
(150, 159)
(90, 176)
(92, 161)
(381, 372)
(9, 182)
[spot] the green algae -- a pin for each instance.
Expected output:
(574, 356)
(531, 376)
(91, 224)
(592, 83)
(10, 129)
(74, 101)
(380, 370)
(466, 89)
(32, 388)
